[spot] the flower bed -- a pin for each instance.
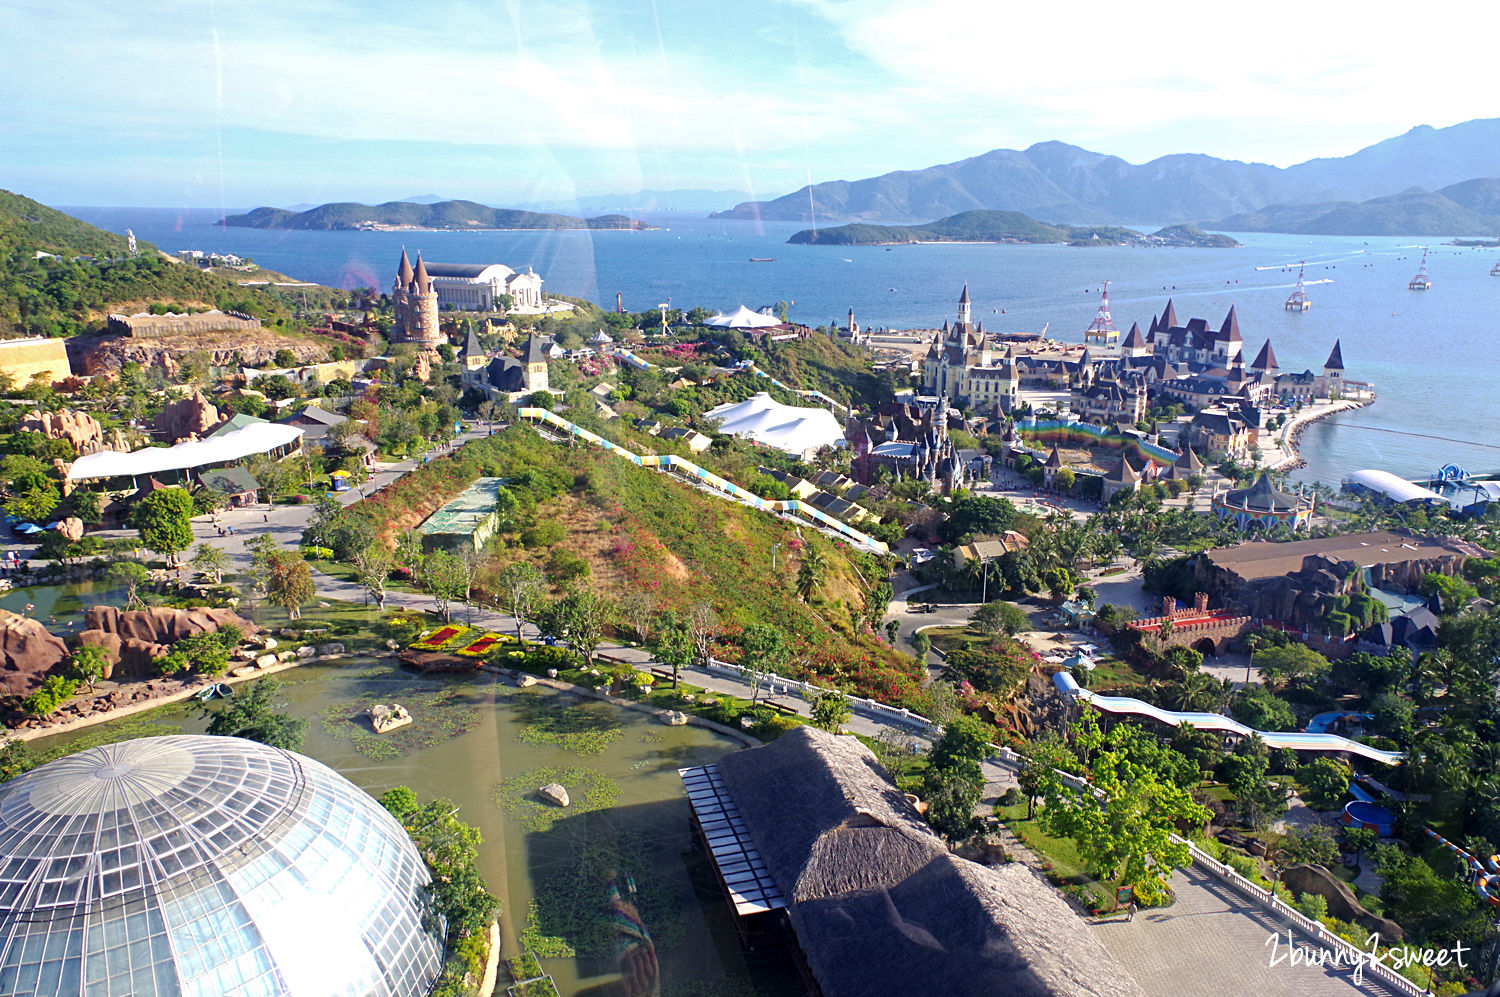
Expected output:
(439, 638)
(480, 647)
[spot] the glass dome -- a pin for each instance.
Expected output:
(206, 866)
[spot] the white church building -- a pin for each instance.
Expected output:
(477, 286)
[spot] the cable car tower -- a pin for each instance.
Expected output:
(1103, 330)
(1421, 281)
(1298, 301)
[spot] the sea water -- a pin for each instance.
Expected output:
(1430, 354)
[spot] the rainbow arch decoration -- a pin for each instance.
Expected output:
(668, 462)
(1062, 432)
(1485, 874)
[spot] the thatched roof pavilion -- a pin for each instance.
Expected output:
(877, 902)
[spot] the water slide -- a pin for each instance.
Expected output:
(1069, 687)
(797, 391)
(729, 489)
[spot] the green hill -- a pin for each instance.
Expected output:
(458, 215)
(87, 271)
(1468, 208)
(1005, 227)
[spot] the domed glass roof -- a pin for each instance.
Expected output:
(206, 866)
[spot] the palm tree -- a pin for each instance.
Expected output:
(1196, 691)
(810, 573)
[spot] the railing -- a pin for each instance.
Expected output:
(778, 685)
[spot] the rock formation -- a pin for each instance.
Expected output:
(133, 638)
(72, 528)
(78, 428)
(188, 418)
(555, 794)
(1342, 903)
(27, 652)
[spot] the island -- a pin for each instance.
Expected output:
(394, 216)
(1007, 227)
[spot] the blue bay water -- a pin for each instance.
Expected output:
(1432, 355)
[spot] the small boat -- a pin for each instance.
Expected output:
(762, 259)
(1495, 270)
(215, 690)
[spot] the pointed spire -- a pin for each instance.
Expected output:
(963, 298)
(1134, 341)
(1265, 359)
(1054, 459)
(471, 346)
(1230, 330)
(1169, 316)
(1155, 324)
(1335, 359)
(423, 282)
(403, 272)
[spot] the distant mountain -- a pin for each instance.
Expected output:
(1423, 157)
(459, 215)
(424, 199)
(1004, 227)
(644, 201)
(1074, 186)
(1468, 208)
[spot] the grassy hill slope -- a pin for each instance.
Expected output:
(66, 296)
(640, 530)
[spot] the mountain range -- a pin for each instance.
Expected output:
(1471, 207)
(1068, 185)
(1005, 227)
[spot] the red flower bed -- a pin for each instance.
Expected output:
(481, 645)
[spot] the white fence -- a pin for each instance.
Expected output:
(778, 686)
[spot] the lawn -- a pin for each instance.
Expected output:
(1112, 673)
(1067, 865)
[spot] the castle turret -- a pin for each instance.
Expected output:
(416, 305)
(1333, 373)
(965, 313)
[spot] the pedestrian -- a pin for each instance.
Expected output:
(1130, 911)
(266, 516)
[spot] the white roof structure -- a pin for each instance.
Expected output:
(258, 438)
(743, 318)
(1393, 487)
(785, 427)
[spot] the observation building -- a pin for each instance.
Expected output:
(207, 866)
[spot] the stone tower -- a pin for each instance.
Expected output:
(416, 305)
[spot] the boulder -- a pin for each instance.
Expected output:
(306, 651)
(555, 794)
(673, 718)
(265, 661)
(286, 655)
(1342, 903)
(269, 643)
(72, 528)
(78, 428)
(188, 418)
(333, 648)
(288, 633)
(552, 673)
(526, 682)
(162, 624)
(27, 652)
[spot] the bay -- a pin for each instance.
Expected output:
(1431, 354)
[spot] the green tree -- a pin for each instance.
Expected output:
(1290, 665)
(579, 619)
(444, 578)
(31, 495)
(1256, 706)
(289, 581)
(1041, 756)
(449, 847)
(54, 691)
(952, 792)
(165, 521)
(1361, 841)
(522, 585)
(1000, 617)
(372, 566)
(1326, 781)
(1257, 798)
(88, 664)
(211, 561)
(764, 650)
(130, 576)
(920, 645)
(810, 573)
(830, 710)
(671, 643)
(252, 714)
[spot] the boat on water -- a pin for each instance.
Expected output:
(1421, 281)
(1298, 301)
(762, 259)
(1495, 270)
(215, 690)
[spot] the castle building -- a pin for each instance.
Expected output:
(960, 365)
(478, 287)
(911, 442)
(416, 305)
(1195, 345)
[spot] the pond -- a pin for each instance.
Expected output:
(488, 746)
(60, 607)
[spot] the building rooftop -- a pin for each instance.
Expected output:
(1256, 559)
(472, 506)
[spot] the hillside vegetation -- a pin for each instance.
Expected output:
(1005, 227)
(92, 271)
(407, 214)
(587, 517)
(1468, 208)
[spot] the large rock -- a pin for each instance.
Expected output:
(554, 793)
(1342, 903)
(133, 639)
(673, 718)
(72, 528)
(27, 652)
(78, 428)
(188, 418)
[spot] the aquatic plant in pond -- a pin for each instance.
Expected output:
(588, 790)
(438, 713)
(582, 728)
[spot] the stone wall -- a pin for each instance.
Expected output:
(150, 326)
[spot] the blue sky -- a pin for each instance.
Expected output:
(214, 104)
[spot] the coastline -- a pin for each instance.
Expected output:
(1289, 435)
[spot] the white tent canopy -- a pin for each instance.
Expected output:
(743, 318)
(785, 427)
(261, 437)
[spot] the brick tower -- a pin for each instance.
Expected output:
(416, 305)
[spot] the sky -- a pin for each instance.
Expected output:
(218, 105)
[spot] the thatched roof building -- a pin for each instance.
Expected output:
(876, 901)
